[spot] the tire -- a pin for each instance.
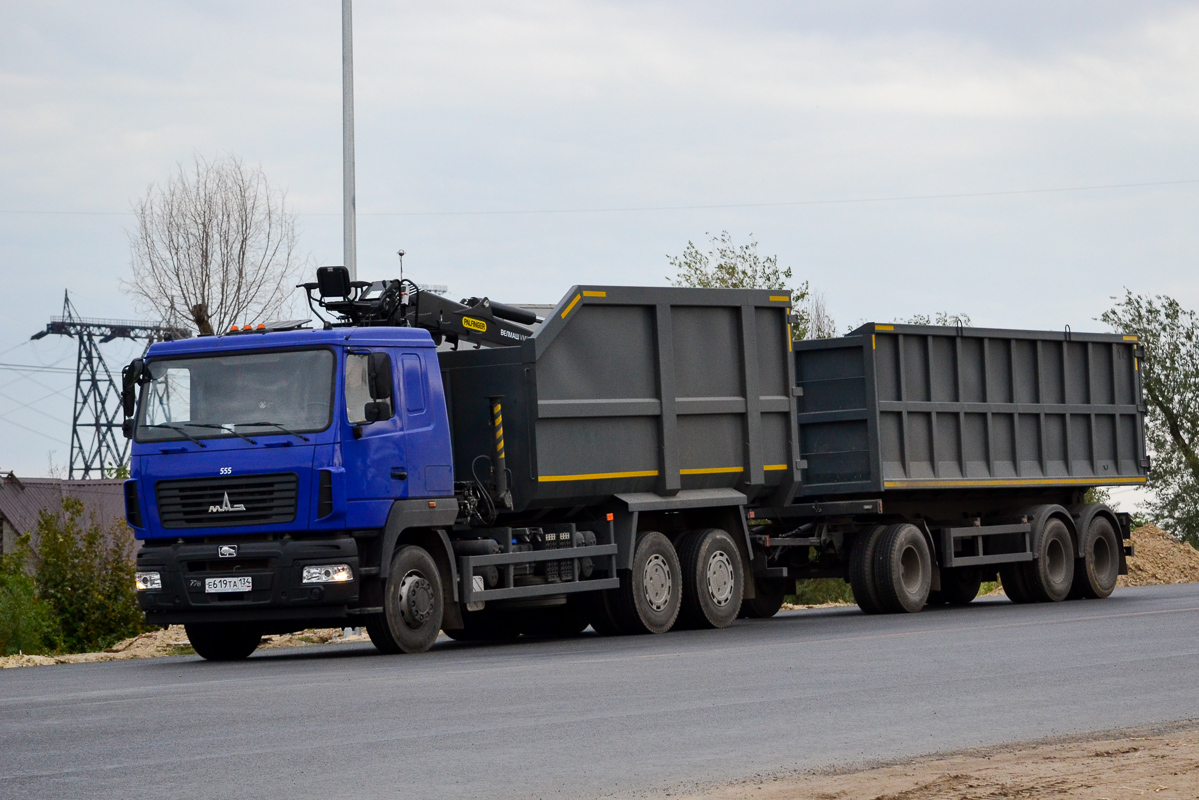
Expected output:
(861, 569)
(413, 604)
(1098, 565)
(903, 569)
(228, 641)
(1050, 575)
(770, 594)
(959, 586)
(712, 579)
(1012, 578)
(650, 594)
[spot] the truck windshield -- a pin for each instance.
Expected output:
(246, 394)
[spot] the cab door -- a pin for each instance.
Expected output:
(373, 451)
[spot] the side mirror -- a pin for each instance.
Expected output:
(131, 376)
(333, 281)
(379, 376)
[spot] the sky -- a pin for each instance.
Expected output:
(1020, 162)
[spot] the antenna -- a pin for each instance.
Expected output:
(400, 253)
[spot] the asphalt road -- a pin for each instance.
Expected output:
(595, 716)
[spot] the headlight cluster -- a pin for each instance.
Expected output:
(147, 581)
(328, 573)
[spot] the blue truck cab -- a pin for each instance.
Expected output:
(261, 460)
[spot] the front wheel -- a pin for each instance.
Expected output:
(413, 604)
(230, 641)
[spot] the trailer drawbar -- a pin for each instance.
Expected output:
(640, 459)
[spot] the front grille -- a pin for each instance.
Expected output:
(223, 502)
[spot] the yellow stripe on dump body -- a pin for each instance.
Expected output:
(572, 305)
(1130, 338)
(1011, 482)
(599, 476)
(884, 327)
(710, 470)
(780, 298)
(595, 294)
(774, 467)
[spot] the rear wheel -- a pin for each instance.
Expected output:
(769, 595)
(650, 595)
(228, 641)
(413, 605)
(1098, 565)
(1050, 575)
(861, 570)
(903, 569)
(712, 575)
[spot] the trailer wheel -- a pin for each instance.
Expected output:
(412, 604)
(861, 569)
(903, 569)
(1050, 575)
(1098, 565)
(650, 594)
(769, 596)
(228, 641)
(960, 586)
(712, 589)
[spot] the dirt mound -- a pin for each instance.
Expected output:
(173, 641)
(1159, 559)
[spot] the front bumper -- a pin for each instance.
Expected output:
(275, 568)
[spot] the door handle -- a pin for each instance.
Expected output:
(399, 474)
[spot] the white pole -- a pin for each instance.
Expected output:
(349, 234)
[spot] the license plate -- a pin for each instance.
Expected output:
(242, 584)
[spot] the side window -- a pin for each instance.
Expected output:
(358, 392)
(414, 383)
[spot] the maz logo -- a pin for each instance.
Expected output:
(226, 506)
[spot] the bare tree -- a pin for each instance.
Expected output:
(820, 321)
(214, 247)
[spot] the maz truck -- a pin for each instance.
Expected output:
(641, 459)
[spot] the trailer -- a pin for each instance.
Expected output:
(641, 459)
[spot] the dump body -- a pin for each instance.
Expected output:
(892, 408)
(629, 389)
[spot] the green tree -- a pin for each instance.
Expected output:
(726, 265)
(942, 318)
(84, 572)
(1170, 377)
(27, 624)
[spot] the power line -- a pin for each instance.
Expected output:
(35, 368)
(698, 207)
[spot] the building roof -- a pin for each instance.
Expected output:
(22, 498)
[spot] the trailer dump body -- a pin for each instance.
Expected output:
(627, 389)
(894, 408)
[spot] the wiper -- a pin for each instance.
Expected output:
(272, 425)
(226, 429)
(177, 429)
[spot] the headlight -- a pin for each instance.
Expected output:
(146, 581)
(328, 573)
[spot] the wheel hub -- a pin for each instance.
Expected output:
(416, 599)
(657, 582)
(720, 578)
